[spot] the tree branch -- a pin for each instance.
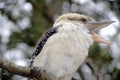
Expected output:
(15, 69)
(94, 70)
(34, 73)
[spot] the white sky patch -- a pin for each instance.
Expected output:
(13, 54)
(20, 62)
(15, 13)
(113, 17)
(17, 77)
(88, 72)
(2, 4)
(21, 2)
(108, 31)
(66, 7)
(6, 27)
(86, 69)
(16, 56)
(82, 1)
(28, 7)
(74, 7)
(111, 29)
(77, 76)
(115, 50)
(24, 23)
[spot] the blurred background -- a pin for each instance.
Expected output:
(22, 22)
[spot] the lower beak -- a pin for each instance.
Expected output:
(98, 25)
(99, 39)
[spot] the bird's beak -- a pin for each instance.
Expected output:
(93, 26)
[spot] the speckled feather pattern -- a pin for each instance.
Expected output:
(42, 42)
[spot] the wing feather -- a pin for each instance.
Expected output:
(41, 42)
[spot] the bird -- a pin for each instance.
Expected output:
(63, 48)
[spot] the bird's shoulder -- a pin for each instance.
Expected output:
(41, 42)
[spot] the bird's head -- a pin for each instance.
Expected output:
(88, 22)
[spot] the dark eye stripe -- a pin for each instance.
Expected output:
(78, 19)
(83, 20)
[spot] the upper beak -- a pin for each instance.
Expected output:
(93, 26)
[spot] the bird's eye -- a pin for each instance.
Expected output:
(83, 20)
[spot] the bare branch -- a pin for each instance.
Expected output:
(34, 72)
(15, 69)
(81, 74)
(94, 70)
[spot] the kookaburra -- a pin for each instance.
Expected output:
(64, 47)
